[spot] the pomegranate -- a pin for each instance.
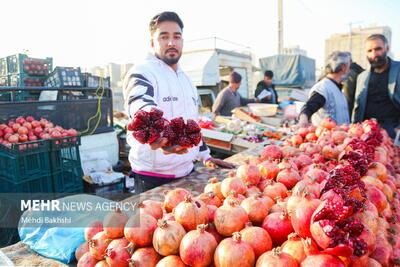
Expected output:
(114, 224)
(268, 169)
(152, 208)
(323, 260)
(209, 198)
(232, 184)
(328, 123)
(376, 197)
(274, 190)
(140, 231)
(296, 139)
(212, 230)
(276, 258)
(144, 257)
(252, 191)
(82, 249)
(167, 237)
(373, 263)
(174, 197)
(376, 169)
(171, 261)
(233, 252)
(294, 246)
(330, 151)
(230, 218)
(257, 238)
(278, 226)
(98, 245)
(87, 260)
(271, 151)
(214, 186)
(102, 263)
(287, 164)
(302, 160)
(197, 247)
(190, 213)
(92, 229)
(249, 173)
(311, 137)
(301, 216)
(234, 196)
(117, 253)
(257, 207)
(211, 212)
(288, 177)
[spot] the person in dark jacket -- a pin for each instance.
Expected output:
(349, 86)
(266, 84)
(378, 88)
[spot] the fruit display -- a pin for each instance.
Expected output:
(327, 196)
(36, 67)
(28, 129)
(149, 126)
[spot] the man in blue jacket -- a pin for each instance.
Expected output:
(378, 89)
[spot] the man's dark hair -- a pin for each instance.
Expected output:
(378, 36)
(164, 16)
(269, 74)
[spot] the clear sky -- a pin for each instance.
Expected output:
(87, 33)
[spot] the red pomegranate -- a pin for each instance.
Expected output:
(274, 190)
(330, 151)
(174, 197)
(249, 173)
(278, 226)
(82, 249)
(230, 218)
(214, 186)
(294, 246)
(252, 191)
(234, 196)
(290, 151)
(98, 245)
(301, 216)
(139, 231)
(197, 247)
(328, 123)
(233, 184)
(339, 136)
(211, 212)
(210, 198)
(317, 174)
(87, 260)
(287, 164)
(212, 230)
(152, 208)
(276, 258)
(257, 207)
(114, 224)
(144, 257)
(289, 177)
(233, 252)
(167, 237)
(257, 238)
(378, 170)
(191, 212)
(92, 229)
(117, 253)
(302, 160)
(271, 151)
(171, 261)
(296, 139)
(323, 260)
(377, 197)
(268, 169)
(102, 263)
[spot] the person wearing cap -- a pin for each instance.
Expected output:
(229, 98)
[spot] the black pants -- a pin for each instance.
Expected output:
(144, 182)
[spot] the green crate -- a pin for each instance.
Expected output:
(22, 63)
(5, 97)
(3, 66)
(3, 80)
(64, 77)
(26, 96)
(36, 184)
(66, 164)
(22, 79)
(24, 162)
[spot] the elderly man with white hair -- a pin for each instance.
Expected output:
(326, 98)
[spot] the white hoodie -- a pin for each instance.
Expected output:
(154, 83)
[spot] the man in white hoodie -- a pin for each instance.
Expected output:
(160, 82)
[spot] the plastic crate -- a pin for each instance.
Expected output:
(22, 63)
(116, 187)
(90, 80)
(3, 66)
(64, 77)
(22, 79)
(6, 96)
(66, 165)
(4, 80)
(36, 184)
(24, 162)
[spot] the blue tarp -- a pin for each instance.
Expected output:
(290, 70)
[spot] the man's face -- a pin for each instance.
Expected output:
(235, 86)
(167, 42)
(345, 71)
(376, 53)
(267, 80)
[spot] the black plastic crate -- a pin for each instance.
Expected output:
(24, 162)
(64, 77)
(22, 63)
(90, 80)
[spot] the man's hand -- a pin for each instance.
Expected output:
(218, 163)
(303, 121)
(162, 141)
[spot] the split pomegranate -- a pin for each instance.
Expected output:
(190, 213)
(197, 247)
(167, 237)
(234, 252)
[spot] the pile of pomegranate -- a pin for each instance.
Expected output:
(147, 127)
(328, 196)
(28, 129)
